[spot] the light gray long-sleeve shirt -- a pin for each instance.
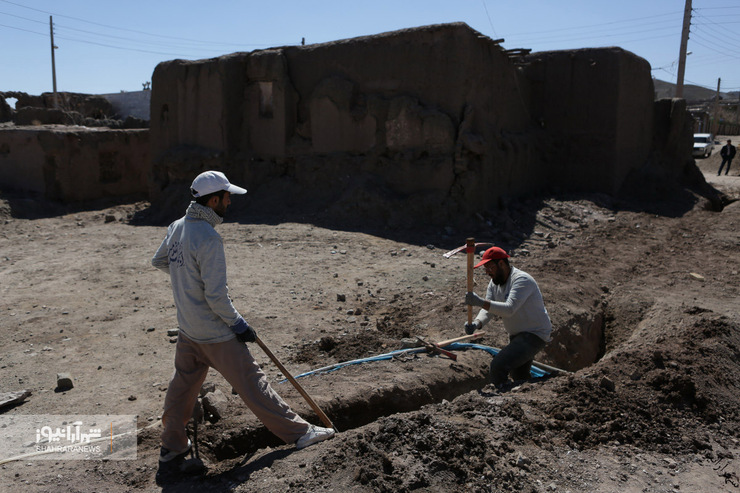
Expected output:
(520, 305)
(193, 254)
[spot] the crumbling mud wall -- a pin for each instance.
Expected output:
(421, 122)
(71, 164)
(111, 111)
(596, 106)
(436, 122)
(6, 112)
(431, 124)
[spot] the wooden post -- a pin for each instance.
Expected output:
(684, 45)
(470, 250)
(53, 64)
(715, 112)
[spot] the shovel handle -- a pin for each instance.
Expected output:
(470, 250)
(323, 417)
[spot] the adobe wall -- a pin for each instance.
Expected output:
(673, 136)
(71, 164)
(124, 110)
(596, 106)
(434, 123)
(432, 118)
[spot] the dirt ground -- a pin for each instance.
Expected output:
(643, 298)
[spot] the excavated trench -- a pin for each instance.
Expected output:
(368, 401)
(374, 390)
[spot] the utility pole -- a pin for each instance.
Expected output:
(53, 65)
(684, 45)
(716, 109)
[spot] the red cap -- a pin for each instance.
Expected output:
(493, 253)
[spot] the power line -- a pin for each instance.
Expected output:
(726, 89)
(118, 47)
(571, 28)
(214, 51)
(62, 27)
(714, 48)
(136, 31)
(572, 36)
(21, 29)
(726, 32)
(130, 40)
(711, 34)
(647, 27)
(489, 17)
(718, 8)
(24, 18)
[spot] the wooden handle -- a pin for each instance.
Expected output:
(449, 354)
(470, 249)
(461, 338)
(430, 346)
(324, 418)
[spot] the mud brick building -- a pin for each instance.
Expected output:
(441, 113)
(432, 123)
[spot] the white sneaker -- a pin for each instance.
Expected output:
(313, 435)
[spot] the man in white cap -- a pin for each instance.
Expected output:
(212, 333)
(513, 295)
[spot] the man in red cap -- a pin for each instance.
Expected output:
(514, 296)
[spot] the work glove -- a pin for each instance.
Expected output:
(244, 333)
(473, 299)
(473, 327)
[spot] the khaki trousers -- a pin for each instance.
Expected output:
(233, 360)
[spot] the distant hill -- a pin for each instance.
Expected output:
(692, 94)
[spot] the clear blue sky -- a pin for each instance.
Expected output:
(107, 46)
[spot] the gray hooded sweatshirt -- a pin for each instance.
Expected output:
(193, 254)
(520, 305)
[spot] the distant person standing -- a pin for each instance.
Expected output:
(727, 153)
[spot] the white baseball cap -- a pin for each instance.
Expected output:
(213, 181)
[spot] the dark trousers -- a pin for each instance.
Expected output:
(727, 160)
(516, 358)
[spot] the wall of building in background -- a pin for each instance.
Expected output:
(440, 113)
(437, 122)
(73, 164)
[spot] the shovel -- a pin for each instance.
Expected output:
(324, 418)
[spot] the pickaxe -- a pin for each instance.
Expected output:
(434, 348)
(469, 247)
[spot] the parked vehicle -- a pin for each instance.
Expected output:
(703, 145)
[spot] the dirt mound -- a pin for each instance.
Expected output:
(424, 451)
(644, 302)
(339, 349)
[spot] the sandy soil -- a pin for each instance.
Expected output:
(643, 297)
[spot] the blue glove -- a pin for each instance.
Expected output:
(244, 333)
(473, 327)
(473, 299)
